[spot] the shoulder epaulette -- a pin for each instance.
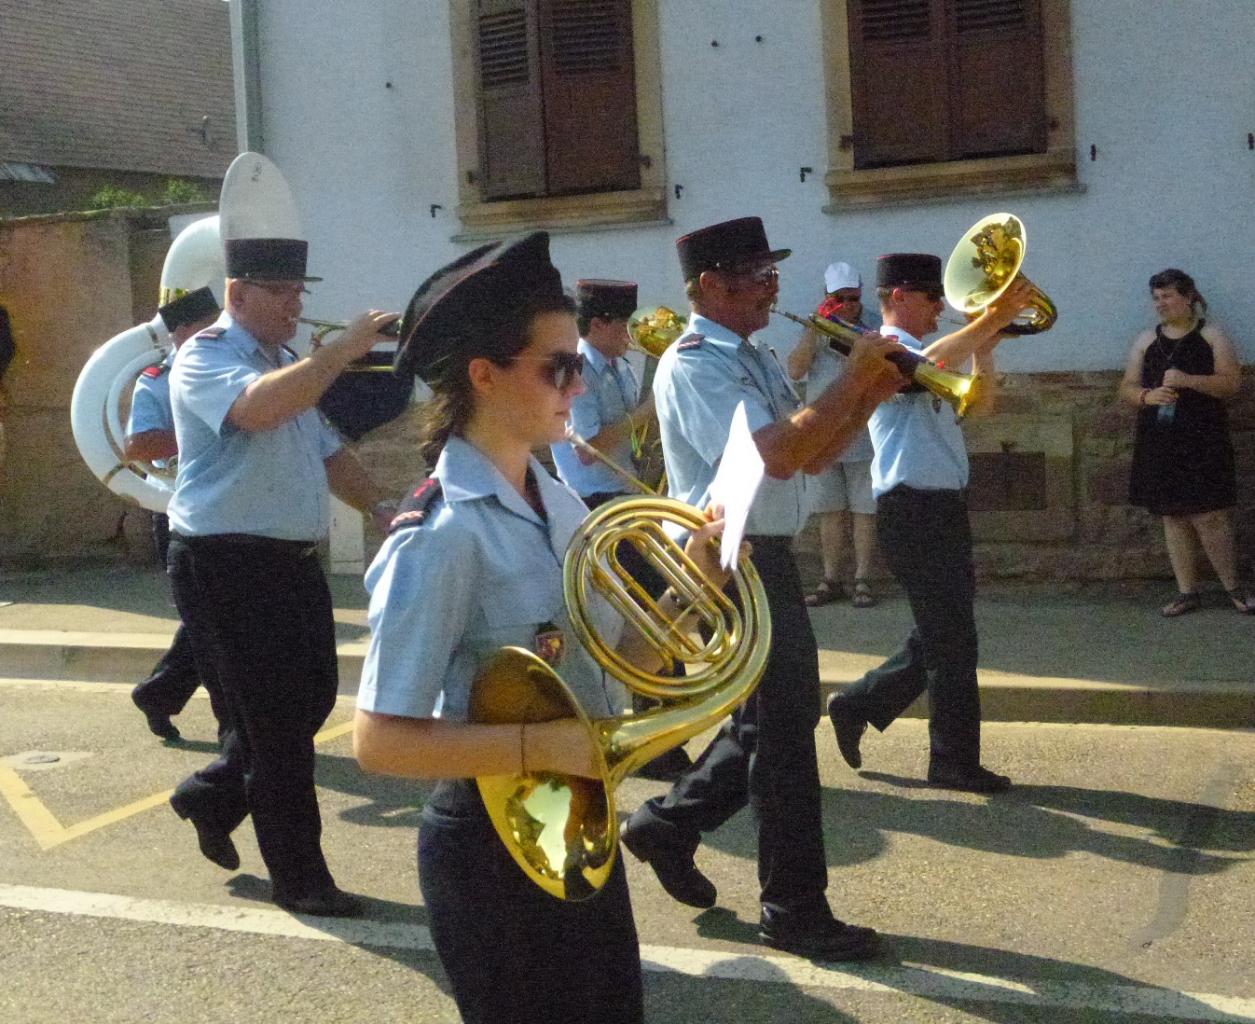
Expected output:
(692, 341)
(212, 333)
(414, 509)
(153, 372)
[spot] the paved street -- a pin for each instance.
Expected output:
(1115, 883)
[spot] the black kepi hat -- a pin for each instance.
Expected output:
(732, 245)
(477, 287)
(189, 308)
(913, 270)
(267, 259)
(612, 300)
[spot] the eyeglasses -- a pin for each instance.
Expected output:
(931, 294)
(758, 275)
(282, 288)
(559, 369)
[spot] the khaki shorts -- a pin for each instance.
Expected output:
(842, 486)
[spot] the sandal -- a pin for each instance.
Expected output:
(1242, 601)
(1182, 604)
(862, 596)
(827, 592)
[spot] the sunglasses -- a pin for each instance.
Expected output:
(280, 287)
(558, 370)
(758, 275)
(931, 294)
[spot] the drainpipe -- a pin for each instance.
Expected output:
(246, 62)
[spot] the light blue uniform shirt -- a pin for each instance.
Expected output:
(697, 389)
(609, 395)
(150, 404)
(481, 572)
(270, 483)
(917, 438)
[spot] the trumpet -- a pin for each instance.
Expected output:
(958, 389)
(364, 365)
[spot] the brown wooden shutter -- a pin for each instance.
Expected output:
(898, 81)
(589, 85)
(511, 124)
(997, 78)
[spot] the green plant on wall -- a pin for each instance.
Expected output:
(174, 192)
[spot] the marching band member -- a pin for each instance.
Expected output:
(250, 504)
(919, 476)
(765, 754)
(474, 562)
(150, 438)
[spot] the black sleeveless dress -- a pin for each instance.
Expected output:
(1182, 460)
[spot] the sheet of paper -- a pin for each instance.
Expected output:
(736, 483)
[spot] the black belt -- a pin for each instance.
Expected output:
(297, 548)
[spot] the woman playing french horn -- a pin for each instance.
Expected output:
(474, 563)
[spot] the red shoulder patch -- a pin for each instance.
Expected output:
(212, 333)
(153, 372)
(692, 341)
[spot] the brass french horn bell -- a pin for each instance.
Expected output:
(562, 830)
(985, 263)
(958, 389)
(653, 329)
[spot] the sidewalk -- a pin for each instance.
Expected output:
(1096, 655)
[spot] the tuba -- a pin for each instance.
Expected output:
(653, 329)
(195, 260)
(562, 830)
(985, 263)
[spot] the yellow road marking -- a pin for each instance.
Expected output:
(48, 832)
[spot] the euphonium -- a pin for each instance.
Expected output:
(653, 329)
(959, 389)
(983, 266)
(563, 830)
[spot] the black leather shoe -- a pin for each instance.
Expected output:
(667, 766)
(332, 902)
(823, 938)
(158, 724)
(676, 872)
(971, 780)
(849, 729)
(215, 843)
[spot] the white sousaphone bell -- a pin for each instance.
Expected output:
(195, 260)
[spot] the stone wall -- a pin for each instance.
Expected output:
(1071, 523)
(70, 282)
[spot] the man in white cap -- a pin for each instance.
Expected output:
(843, 491)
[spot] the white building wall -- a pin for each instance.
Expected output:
(358, 112)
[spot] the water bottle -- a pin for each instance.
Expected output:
(1166, 414)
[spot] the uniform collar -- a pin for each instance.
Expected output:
(465, 473)
(591, 355)
(722, 338)
(908, 339)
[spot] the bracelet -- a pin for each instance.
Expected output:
(1141, 399)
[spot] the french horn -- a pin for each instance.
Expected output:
(562, 830)
(983, 266)
(195, 260)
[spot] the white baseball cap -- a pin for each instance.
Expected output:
(841, 275)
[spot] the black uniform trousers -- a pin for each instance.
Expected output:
(764, 754)
(174, 679)
(927, 541)
(259, 610)
(513, 953)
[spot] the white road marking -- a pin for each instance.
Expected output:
(929, 982)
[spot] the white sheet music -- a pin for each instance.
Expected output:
(736, 483)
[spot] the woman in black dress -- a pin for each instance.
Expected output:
(1179, 376)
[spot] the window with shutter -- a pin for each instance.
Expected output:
(557, 97)
(934, 98)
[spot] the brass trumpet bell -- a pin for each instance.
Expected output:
(985, 263)
(563, 831)
(653, 329)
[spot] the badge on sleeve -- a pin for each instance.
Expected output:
(550, 643)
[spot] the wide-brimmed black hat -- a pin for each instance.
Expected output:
(913, 270)
(612, 300)
(732, 245)
(479, 285)
(188, 309)
(267, 259)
